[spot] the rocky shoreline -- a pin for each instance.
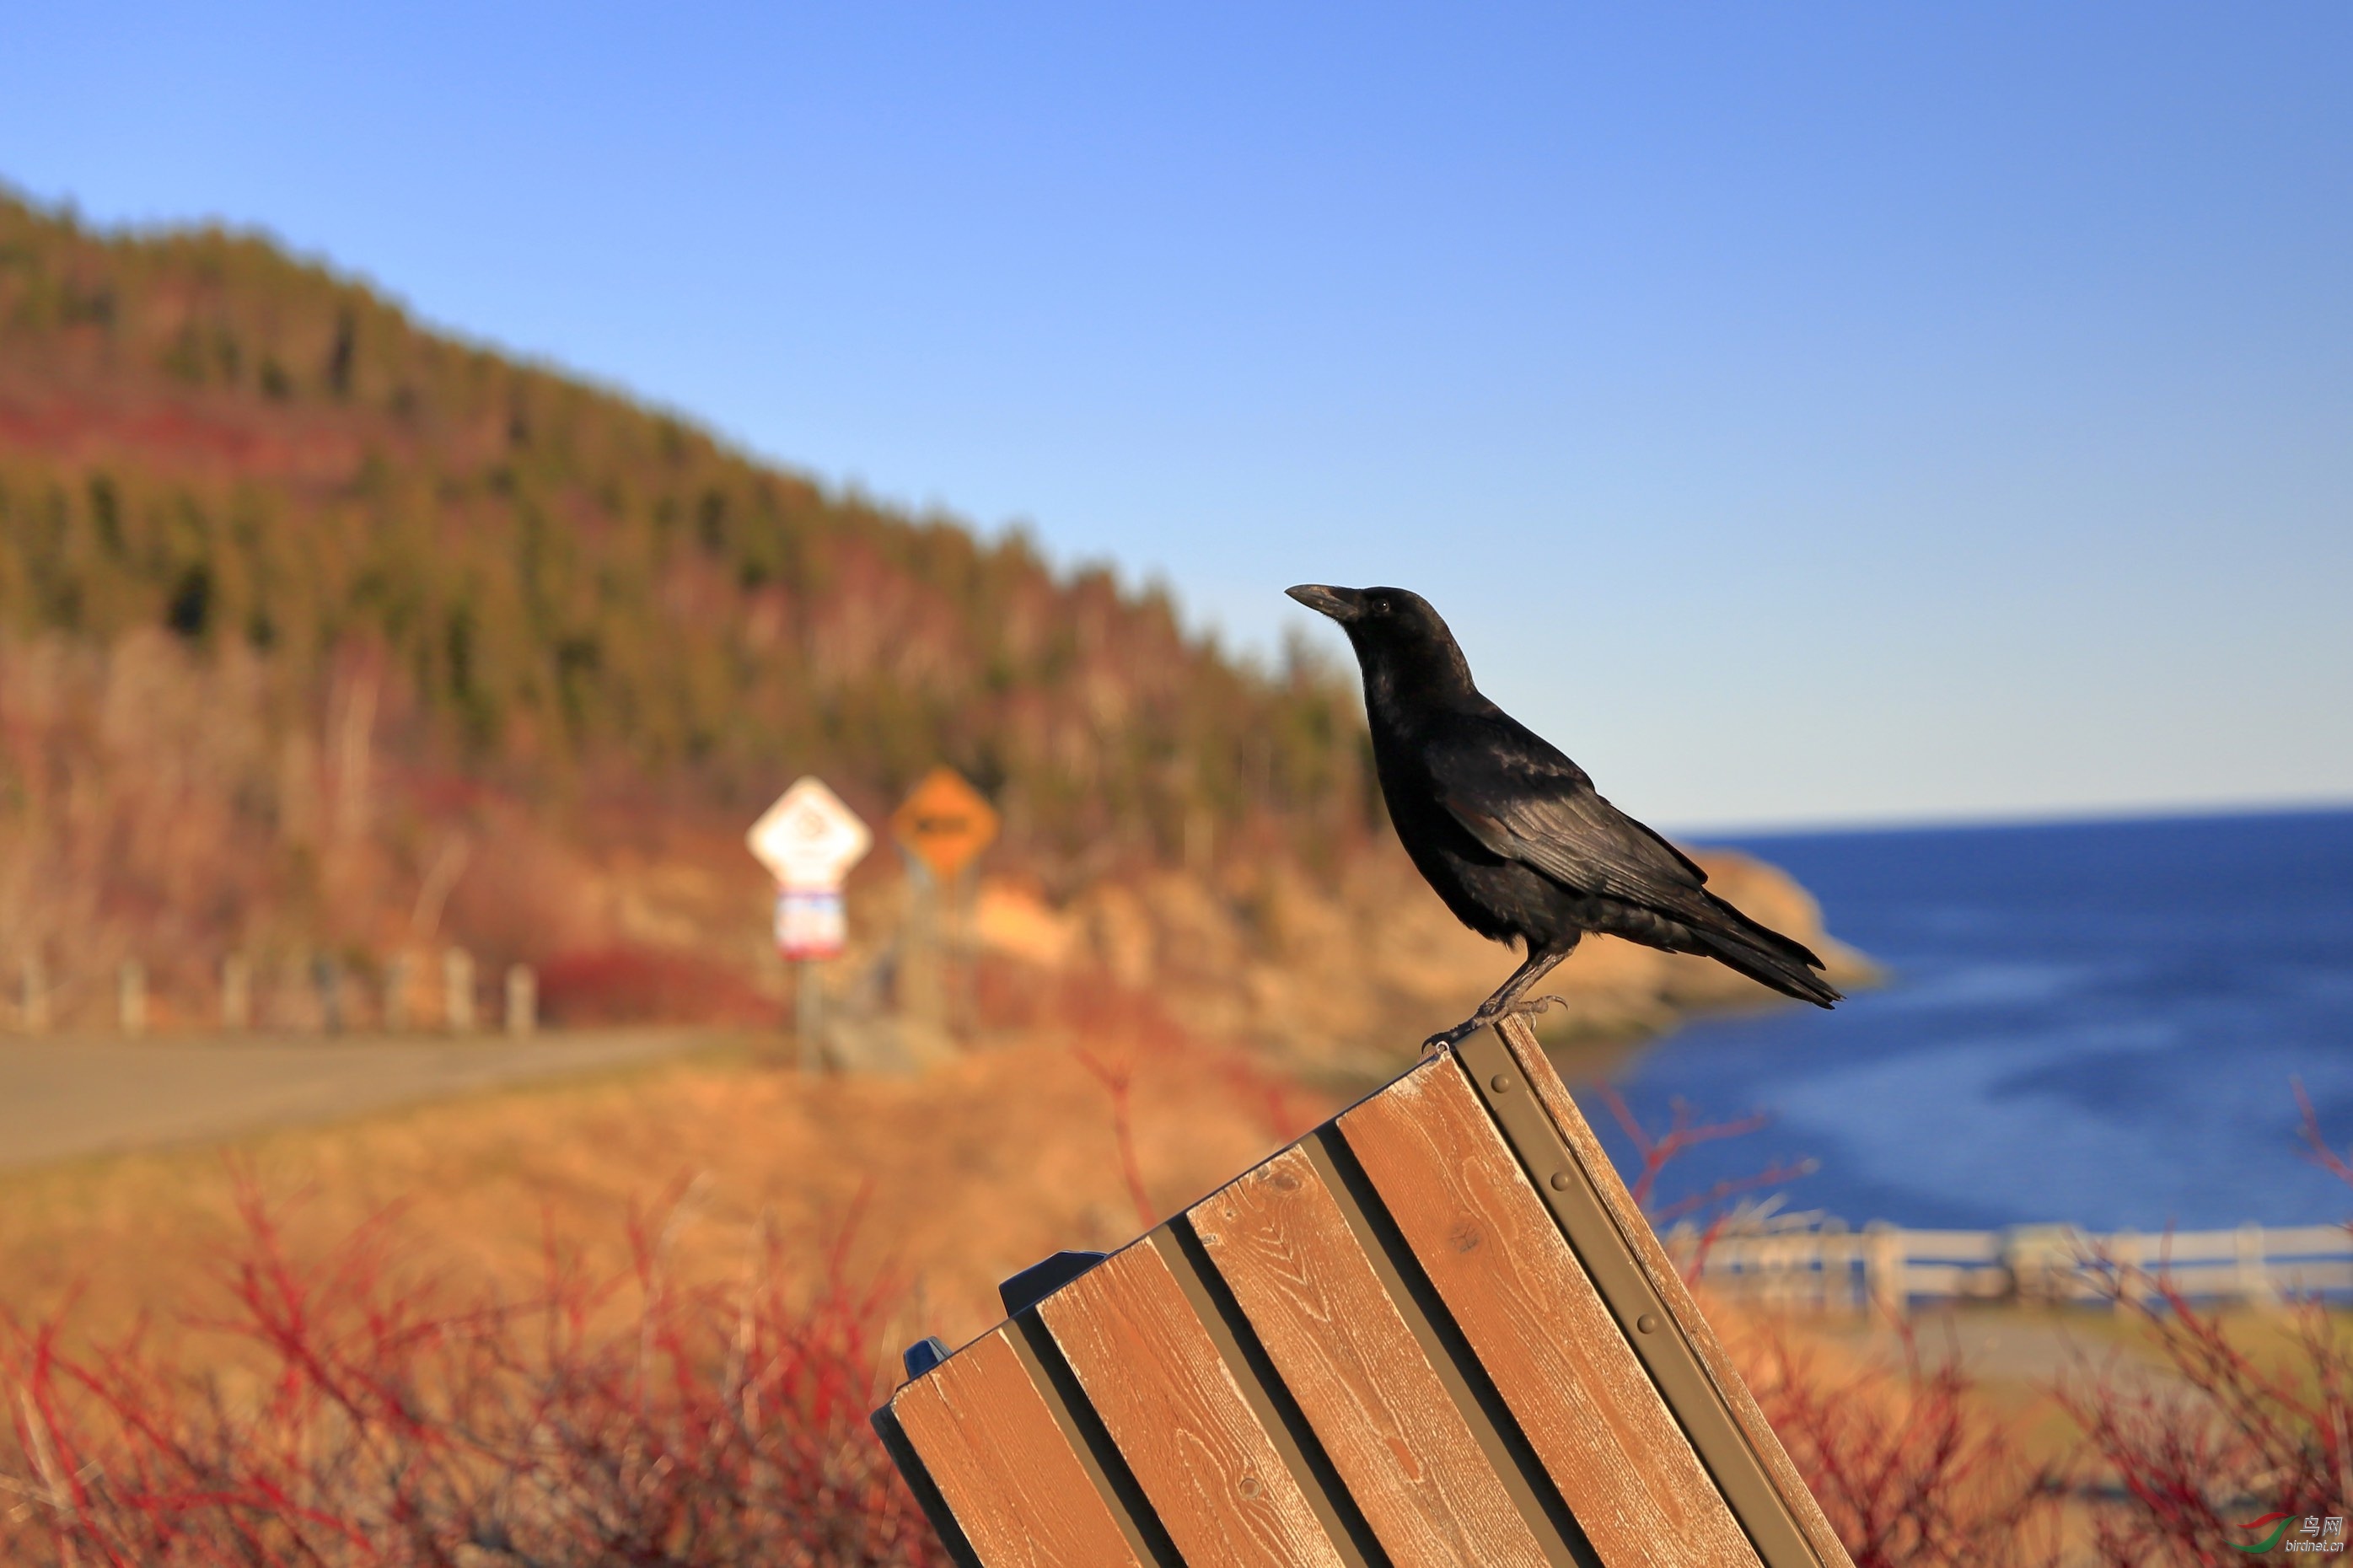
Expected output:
(1344, 976)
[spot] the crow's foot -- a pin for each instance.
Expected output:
(1445, 1037)
(1484, 1016)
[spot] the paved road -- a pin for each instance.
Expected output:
(65, 1097)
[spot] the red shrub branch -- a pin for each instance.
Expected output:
(1657, 1151)
(2219, 1438)
(2317, 1148)
(1118, 1080)
(361, 1417)
(1912, 1469)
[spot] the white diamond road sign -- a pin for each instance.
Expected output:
(810, 925)
(808, 840)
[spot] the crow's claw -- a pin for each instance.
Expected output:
(1483, 1017)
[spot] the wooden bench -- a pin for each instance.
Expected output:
(1435, 1331)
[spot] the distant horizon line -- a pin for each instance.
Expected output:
(2065, 816)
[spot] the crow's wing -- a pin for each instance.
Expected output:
(1519, 796)
(1513, 792)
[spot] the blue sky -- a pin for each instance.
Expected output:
(1803, 413)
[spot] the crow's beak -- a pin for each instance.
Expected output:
(1343, 605)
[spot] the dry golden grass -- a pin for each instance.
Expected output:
(954, 1180)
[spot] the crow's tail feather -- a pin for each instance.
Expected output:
(1766, 956)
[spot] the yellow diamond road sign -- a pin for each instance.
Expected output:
(808, 839)
(945, 823)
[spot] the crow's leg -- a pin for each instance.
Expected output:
(1506, 999)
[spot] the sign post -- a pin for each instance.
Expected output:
(808, 841)
(942, 824)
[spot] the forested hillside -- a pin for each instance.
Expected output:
(302, 603)
(327, 637)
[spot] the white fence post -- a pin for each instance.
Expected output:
(523, 1000)
(2255, 1278)
(1885, 1287)
(458, 990)
(237, 992)
(2127, 1253)
(1880, 1269)
(131, 997)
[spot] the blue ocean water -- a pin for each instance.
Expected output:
(2093, 1021)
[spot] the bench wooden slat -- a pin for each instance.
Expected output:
(1154, 1376)
(1500, 1263)
(1283, 1246)
(1004, 1465)
(1641, 1244)
(1252, 1384)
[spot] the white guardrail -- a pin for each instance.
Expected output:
(1826, 1268)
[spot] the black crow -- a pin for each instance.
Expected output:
(1510, 832)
